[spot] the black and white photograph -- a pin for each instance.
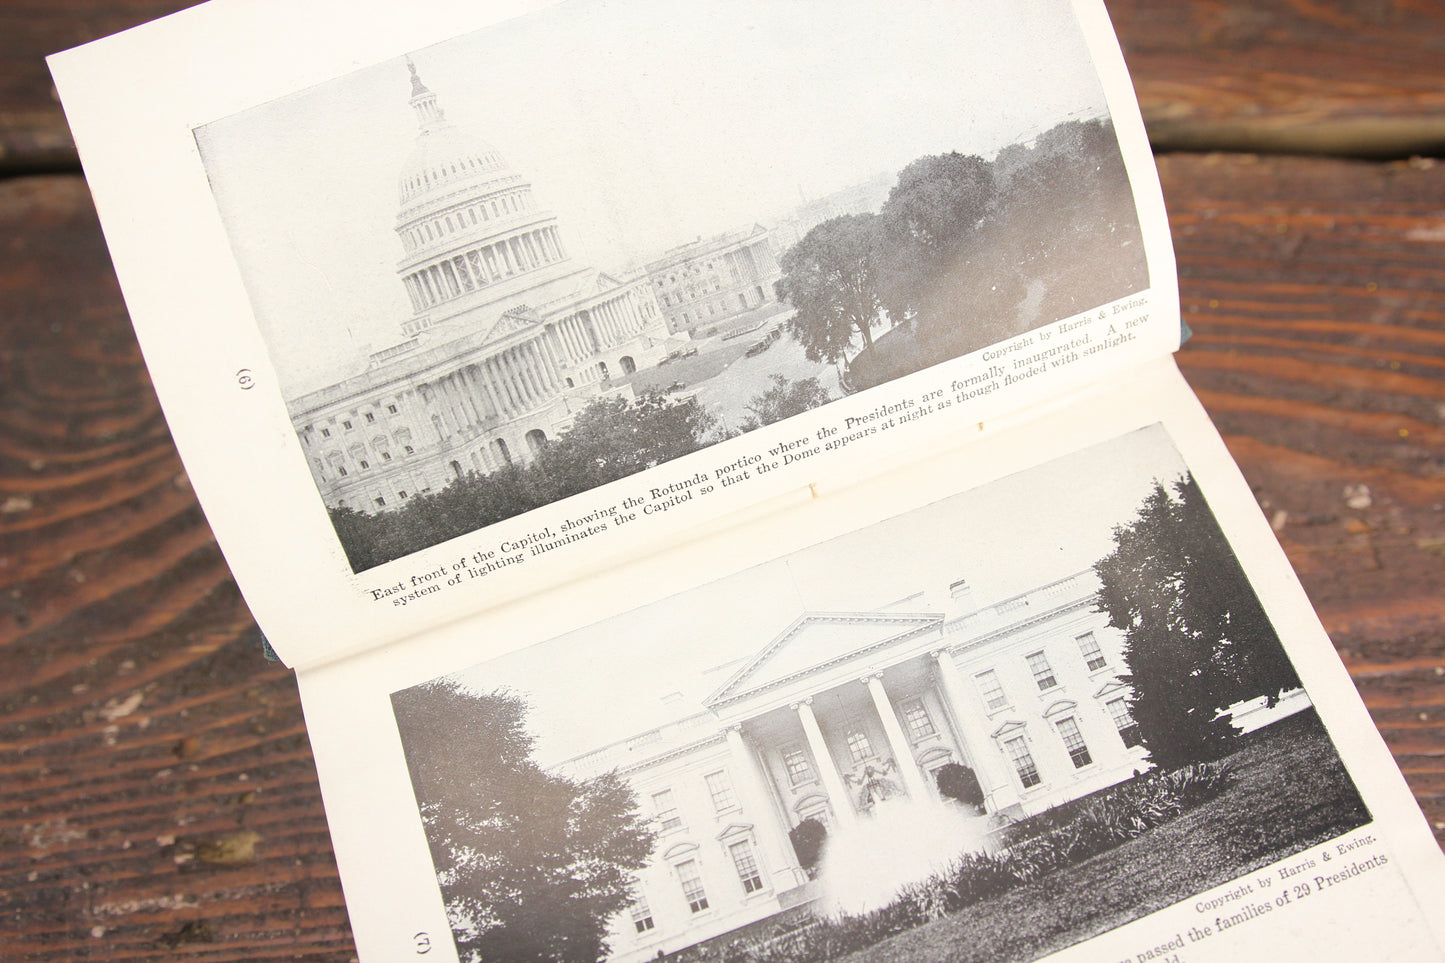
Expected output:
(984, 730)
(514, 266)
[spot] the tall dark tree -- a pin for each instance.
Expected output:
(1197, 639)
(1071, 192)
(531, 865)
(926, 231)
(829, 278)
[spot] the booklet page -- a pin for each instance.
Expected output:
(1056, 693)
(473, 298)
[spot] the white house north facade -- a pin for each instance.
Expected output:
(1024, 692)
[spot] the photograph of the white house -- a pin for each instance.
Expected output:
(469, 262)
(789, 761)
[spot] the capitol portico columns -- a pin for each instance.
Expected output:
(912, 779)
(464, 398)
(529, 374)
(827, 771)
(514, 369)
(539, 371)
(777, 851)
(544, 364)
(478, 377)
(509, 358)
(504, 379)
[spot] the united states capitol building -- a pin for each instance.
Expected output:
(1024, 691)
(508, 339)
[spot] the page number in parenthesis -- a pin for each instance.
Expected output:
(245, 380)
(423, 943)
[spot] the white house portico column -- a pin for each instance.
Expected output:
(912, 779)
(771, 838)
(997, 787)
(827, 771)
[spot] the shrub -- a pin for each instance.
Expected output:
(979, 876)
(959, 782)
(807, 838)
(1110, 818)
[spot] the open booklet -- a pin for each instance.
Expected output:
(719, 475)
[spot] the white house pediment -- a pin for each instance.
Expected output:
(1063, 705)
(735, 829)
(678, 851)
(1111, 687)
(817, 640)
(1007, 729)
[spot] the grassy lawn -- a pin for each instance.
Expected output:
(1289, 792)
(895, 353)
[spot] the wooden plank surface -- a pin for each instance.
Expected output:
(1317, 293)
(1344, 77)
(1354, 77)
(157, 794)
(141, 732)
(33, 134)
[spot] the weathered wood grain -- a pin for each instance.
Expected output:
(1347, 77)
(1353, 77)
(139, 724)
(142, 736)
(1317, 291)
(33, 133)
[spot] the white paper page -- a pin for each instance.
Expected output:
(958, 594)
(371, 270)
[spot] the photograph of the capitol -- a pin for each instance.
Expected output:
(509, 337)
(441, 312)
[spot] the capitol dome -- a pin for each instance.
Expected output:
(445, 159)
(473, 238)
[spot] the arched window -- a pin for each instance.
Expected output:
(536, 438)
(502, 452)
(813, 806)
(457, 468)
(628, 365)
